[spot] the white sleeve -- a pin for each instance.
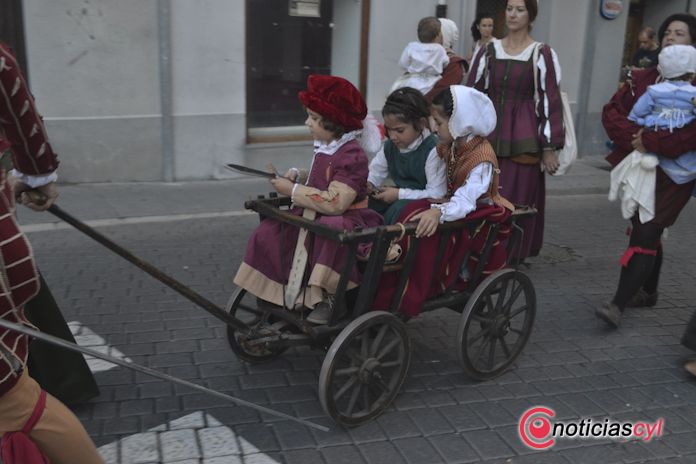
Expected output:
(35, 181)
(541, 64)
(464, 199)
(481, 69)
(436, 180)
(379, 169)
(405, 60)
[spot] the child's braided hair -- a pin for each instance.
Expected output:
(408, 105)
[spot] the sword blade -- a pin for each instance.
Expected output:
(250, 171)
(50, 339)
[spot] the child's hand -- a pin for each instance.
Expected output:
(283, 185)
(292, 174)
(427, 222)
(388, 194)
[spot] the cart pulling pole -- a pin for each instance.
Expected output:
(170, 282)
(146, 370)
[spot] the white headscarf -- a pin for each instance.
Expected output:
(473, 113)
(450, 32)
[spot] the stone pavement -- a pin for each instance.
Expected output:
(197, 233)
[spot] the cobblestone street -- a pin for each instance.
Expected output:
(572, 364)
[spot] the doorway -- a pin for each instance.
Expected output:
(12, 30)
(287, 40)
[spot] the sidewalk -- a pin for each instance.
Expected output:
(123, 200)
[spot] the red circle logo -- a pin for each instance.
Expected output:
(535, 428)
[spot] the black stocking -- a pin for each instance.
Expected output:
(642, 267)
(650, 285)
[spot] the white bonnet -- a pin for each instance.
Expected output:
(677, 60)
(450, 32)
(473, 112)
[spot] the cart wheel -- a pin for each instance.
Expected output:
(244, 307)
(496, 323)
(364, 368)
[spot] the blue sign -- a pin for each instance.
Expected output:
(610, 9)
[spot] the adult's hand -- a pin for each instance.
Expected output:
(38, 199)
(637, 141)
(549, 159)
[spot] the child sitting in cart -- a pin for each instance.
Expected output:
(408, 157)
(333, 192)
(463, 118)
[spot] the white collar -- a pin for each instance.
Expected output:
(333, 146)
(416, 143)
(521, 56)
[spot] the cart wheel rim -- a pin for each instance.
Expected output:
(241, 343)
(364, 368)
(496, 323)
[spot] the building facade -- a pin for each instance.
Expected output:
(147, 90)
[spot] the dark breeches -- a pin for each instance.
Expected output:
(643, 267)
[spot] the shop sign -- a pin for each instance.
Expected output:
(304, 8)
(610, 9)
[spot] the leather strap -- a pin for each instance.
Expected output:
(299, 263)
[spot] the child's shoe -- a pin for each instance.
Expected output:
(321, 314)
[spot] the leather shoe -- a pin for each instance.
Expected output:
(609, 313)
(642, 299)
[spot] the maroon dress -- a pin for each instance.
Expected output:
(519, 131)
(266, 266)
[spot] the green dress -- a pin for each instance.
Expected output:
(407, 170)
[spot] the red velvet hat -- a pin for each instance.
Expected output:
(335, 99)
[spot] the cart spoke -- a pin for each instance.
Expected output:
(389, 365)
(481, 348)
(481, 318)
(345, 388)
(506, 349)
(364, 342)
(489, 304)
(353, 399)
(378, 339)
(513, 297)
(501, 296)
(491, 353)
(517, 331)
(483, 332)
(346, 371)
(366, 398)
(518, 311)
(355, 357)
(378, 382)
(390, 346)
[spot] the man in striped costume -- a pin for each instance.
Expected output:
(25, 409)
